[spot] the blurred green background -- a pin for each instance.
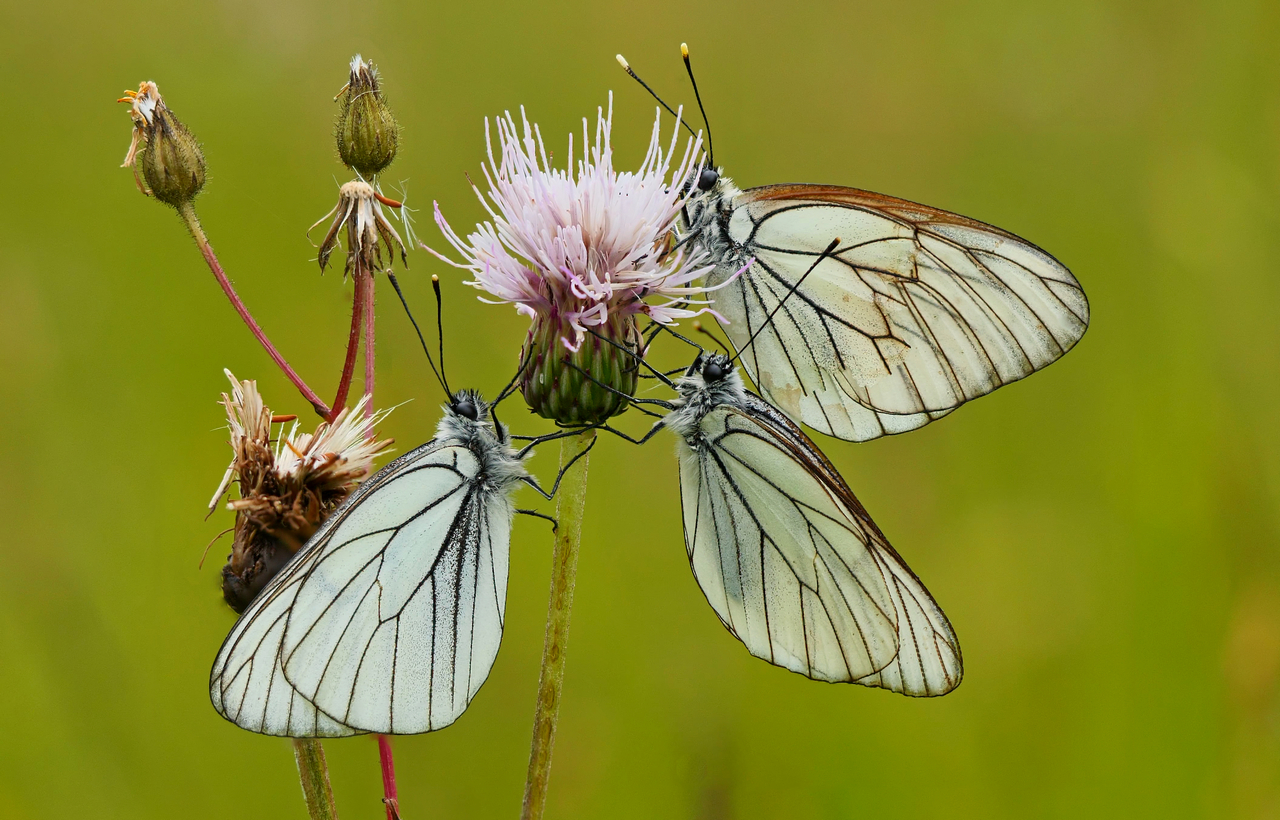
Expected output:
(1103, 535)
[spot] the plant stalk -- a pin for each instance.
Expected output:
(353, 347)
(188, 214)
(570, 503)
(315, 778)
(365, 284)
(389, 796)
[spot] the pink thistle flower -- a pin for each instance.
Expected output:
(584, 248)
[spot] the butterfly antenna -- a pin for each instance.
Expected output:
(435, 285)
(835, 243)
(697, 326)
(622, 61)
(711, 151)
(395, 284)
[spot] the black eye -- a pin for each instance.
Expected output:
(708, 179)
(713, 372)
(465, 408)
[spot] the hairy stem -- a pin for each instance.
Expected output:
(389, 796)
(349, 363)
(564, 567)
(315, 778)
(366, 286)
(188, 214)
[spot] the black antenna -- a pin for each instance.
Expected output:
(698, 327)
(425, 349)
(435, 285)
(711, 151)
(622, 61)
(769, 319)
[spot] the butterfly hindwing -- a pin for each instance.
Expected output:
(795, 568)
(915, 312)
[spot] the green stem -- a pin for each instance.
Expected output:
(315, 778)
(570, 502)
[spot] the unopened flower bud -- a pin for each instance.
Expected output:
(367, 133)
(576, 387)
(169, 155)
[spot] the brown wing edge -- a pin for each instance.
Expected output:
(807, 453)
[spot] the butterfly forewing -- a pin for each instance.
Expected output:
(916, 312)
(405, 608)
(795, 568)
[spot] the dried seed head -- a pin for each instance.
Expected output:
(367, 132)
(369, 231)
(288, 487)
(168, 154)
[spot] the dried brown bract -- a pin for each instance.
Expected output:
(287, 487)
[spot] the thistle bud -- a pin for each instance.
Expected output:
(577, 386)
(169, 155)
(367, 133)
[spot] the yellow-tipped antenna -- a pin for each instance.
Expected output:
(684, 54)
(396, 284)
(622, 61)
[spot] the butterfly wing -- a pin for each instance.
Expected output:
(247, 684)
(396, 606)
(916, 312)
(795, 568)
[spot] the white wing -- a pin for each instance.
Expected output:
(397, 604)
(916, 312)
(247, 684)
(794, 567)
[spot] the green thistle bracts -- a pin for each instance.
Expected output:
(555, 385)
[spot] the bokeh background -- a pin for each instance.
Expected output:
(1102, 535)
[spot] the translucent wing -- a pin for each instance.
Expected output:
(796, 569)
(916, 312)
(247, 684)
(395, 607)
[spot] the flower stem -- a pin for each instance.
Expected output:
(315, 778)
(188, 213)
(365, 284)
(390, 798)
(564, 567)
(349, 363)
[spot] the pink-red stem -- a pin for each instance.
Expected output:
(353, 346)
(390, 798)
(189, 216)
(366, 284)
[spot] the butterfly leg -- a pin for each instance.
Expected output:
(533, 482)
(639, 359)
(652, 432)
(659, 402)
(555, 525)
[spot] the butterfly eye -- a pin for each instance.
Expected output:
(466, 408)
(713, 372)
(708, 179)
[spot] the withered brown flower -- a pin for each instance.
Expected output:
(287, 487)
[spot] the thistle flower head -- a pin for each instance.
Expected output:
(584, 244)
(582, 249)
(169, 155)
(359, 208)
(286, 487)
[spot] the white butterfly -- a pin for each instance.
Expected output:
(786, 554)
(389, 618)
(917, 312)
